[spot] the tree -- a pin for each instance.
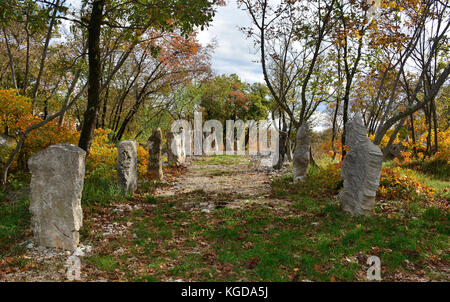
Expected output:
(433, 14)
(137, 17)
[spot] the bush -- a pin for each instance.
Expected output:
(15, 115)
(103, 156)
(45, 136)
(437, 168)
(15, 110)
(402, 186)
(395, 183)
(436, 165)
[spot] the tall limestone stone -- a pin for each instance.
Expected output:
(301, 153)
(127, 166)
(154, 167)
(57, 178)
(175, 149)
(361, 170)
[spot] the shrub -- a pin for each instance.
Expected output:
(395, 183)
(402, 186)
(15, 110)
(15, 115)
(45, 136)
(436, 165)
(103, 156)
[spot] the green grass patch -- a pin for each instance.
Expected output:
(101, 190)
(14, 224)
(224, 159)
(105, 263)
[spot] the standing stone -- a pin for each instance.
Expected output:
(267, 160)
(57, 178)
(289, 156)
(184, 136)
(301, 153)
(127, 166)
(175, 149)
(154, 168)
(361, 170)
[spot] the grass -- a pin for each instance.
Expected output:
(439, 185)
(439, 169)
(221, 160)
(101, 191)
(256, 244)
(310, 238)
(14, 224)
(105, 262)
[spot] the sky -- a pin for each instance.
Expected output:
(234, 53)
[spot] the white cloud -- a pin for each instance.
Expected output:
(234, 53)
(320, 121)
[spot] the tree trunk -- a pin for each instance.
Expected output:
(311, 158)
(333, 132)
(344, 119)
(281, 143)
(435, 124)
(91, 113)
(44, 56)
(11, 62)
(27, 60)
(413, 135)
(393, 136)
(105, 105)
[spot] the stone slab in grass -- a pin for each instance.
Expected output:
(57, 178)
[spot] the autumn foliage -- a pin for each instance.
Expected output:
(15, 114)
(14, 110)
(103, 156)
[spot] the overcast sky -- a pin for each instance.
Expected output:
(234, 53)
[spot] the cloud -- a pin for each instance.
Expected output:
(320, 121)
(234, 53)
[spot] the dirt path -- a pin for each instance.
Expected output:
(240, 177)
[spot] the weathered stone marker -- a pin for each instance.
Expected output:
(57, 178)
(361, 170)
(127, 166)
(175, 149)
(154, 167)
(301, 153)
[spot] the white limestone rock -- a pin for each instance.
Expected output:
(361, 170)
(175, 149)
(301, 153)
(127, 166)
(154, 168)
(57, 178)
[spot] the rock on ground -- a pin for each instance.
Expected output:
(175, 152)
(361, 170)
(127, 166)
(301, 154)
(154, 167)
(57, 178)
